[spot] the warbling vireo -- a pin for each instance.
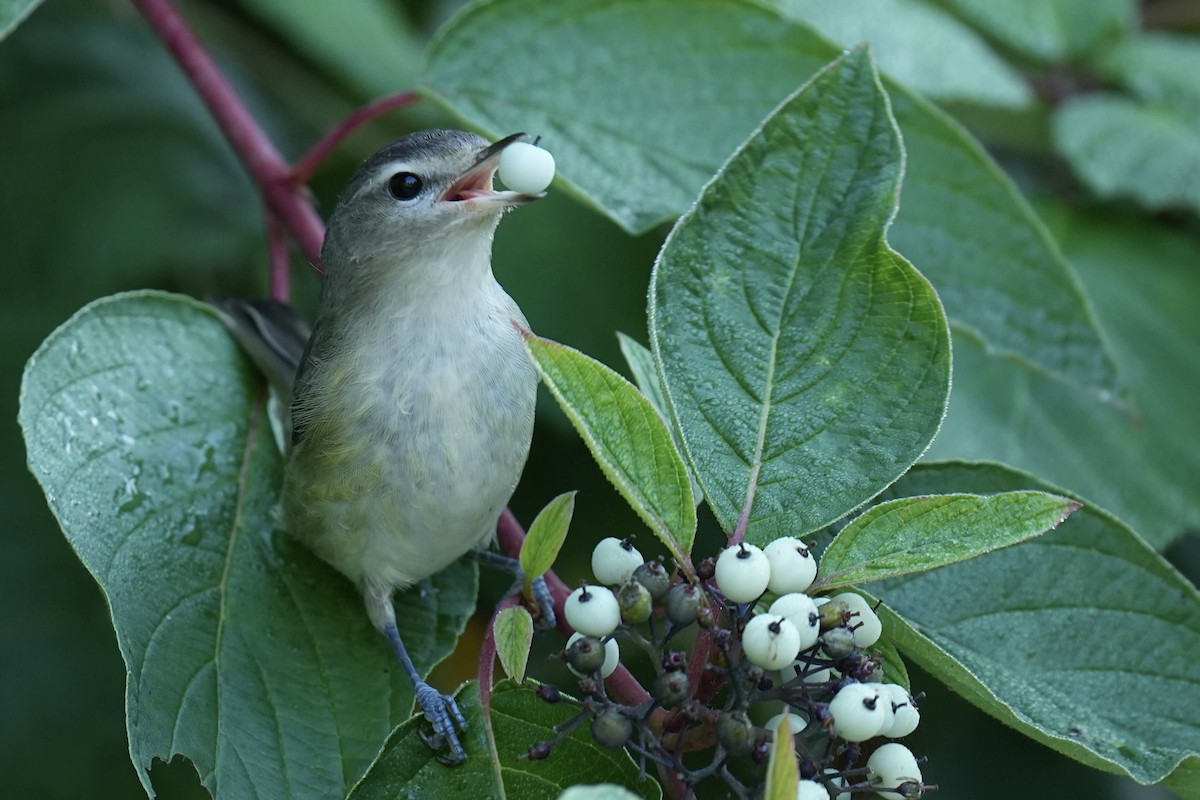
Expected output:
(412, 400)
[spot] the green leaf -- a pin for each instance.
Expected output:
(545, 537)
(1050, 30)
(407, 768)
(914, 534)
(1160, 68)
(1002, 277)
(645, 375)
(783, 774)
(1083, 639)
(806, 363)
(1142, 278)
(367, 43)
(1123, 148)
(894, 670)
(913, 42)
(628, 438)
(13, 12)
(513, 630)
(244, 652)
(624, 90)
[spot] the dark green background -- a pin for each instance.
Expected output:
(112, 178)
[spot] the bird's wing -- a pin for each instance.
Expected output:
(276, 338)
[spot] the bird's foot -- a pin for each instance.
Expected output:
(445, 720)
(542, 598)
(545, 603)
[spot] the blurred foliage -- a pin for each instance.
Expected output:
(113, 177)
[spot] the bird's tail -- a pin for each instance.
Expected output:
(273, 335)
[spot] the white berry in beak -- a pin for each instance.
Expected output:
(526, 168)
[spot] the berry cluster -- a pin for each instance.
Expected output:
(808, 657)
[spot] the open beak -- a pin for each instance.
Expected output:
(474, 187)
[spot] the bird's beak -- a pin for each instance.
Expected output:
(474, 187)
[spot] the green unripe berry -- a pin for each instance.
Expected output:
(612, 729)
(833, 614)
(612, 658)
(672, 688)
(654, 578)
(837, 642)
(585, 655)
(683, 601)
(735, 732)
(635, 602)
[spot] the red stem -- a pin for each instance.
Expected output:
(263, 161)
(277, 251)
(307, 165)
(487, 655)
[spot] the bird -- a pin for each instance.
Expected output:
(409, 407)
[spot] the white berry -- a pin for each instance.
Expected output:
(838, 781)
(793, 568)
(614, 560)
(796, 722)
(811, 790)
(906, 717)
(612, 656)
(891, 765)
(526, 168)
(857, 711)
(770, 641)
(743, 573)
(802, 612)
(867, 627)
(593, 611)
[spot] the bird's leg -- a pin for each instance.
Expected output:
(439, 709)
(541, 592)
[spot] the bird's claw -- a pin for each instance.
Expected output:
(445, 720)
(545, 603)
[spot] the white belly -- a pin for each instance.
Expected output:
(418, 457)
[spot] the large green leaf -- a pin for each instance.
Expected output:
(406, 767)
(915, 43)
(1142, 278)
(245, 653)
(628, 438)
(1050, 30)
(914, 534)
(643, 100)
(805, 362)
(1124, 148)
(1084, 638)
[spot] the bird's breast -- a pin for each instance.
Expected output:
(414, 447)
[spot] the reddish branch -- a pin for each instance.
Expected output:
(308, 164)
(263, 161)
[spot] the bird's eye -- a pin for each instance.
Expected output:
(405, 185)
